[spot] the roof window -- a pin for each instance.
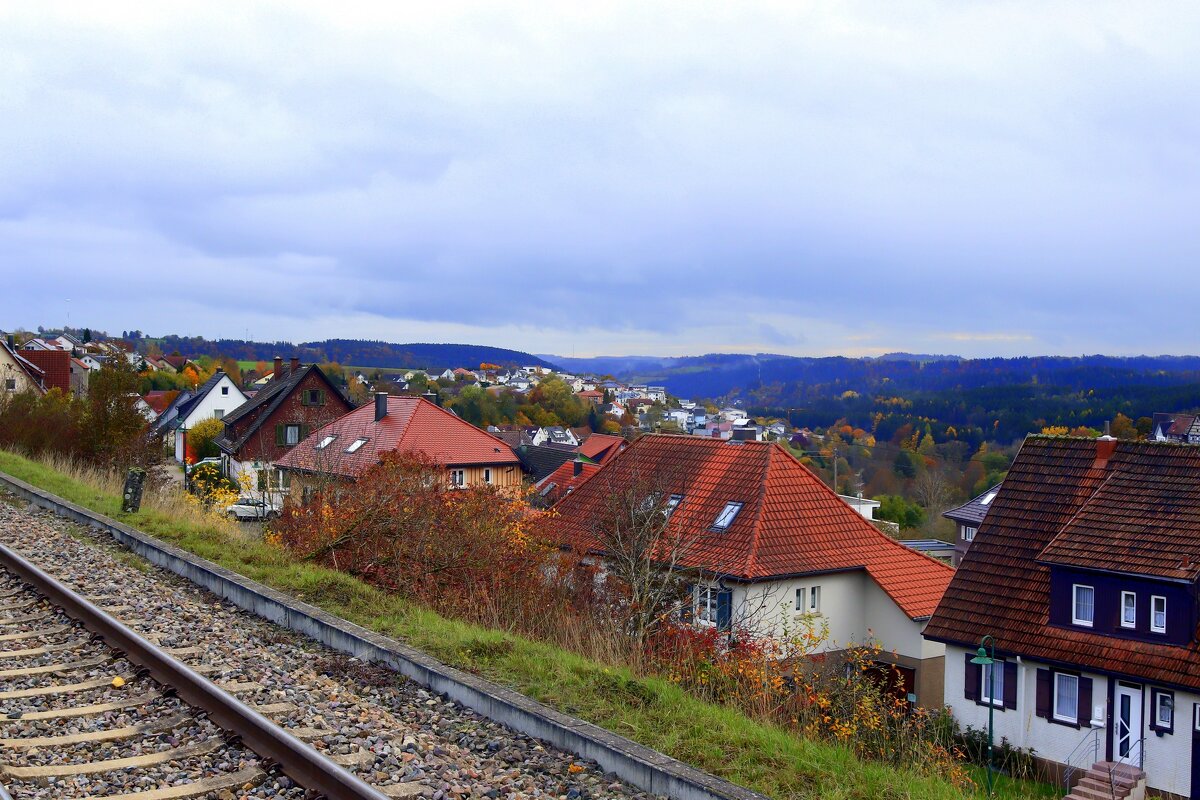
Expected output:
(987, 498)
(672, 503)
(727, 516)
(328, 440)
(357, 443)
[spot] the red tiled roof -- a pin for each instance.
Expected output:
(600, 447)
(563, 480)
(790, 522)
(412, 424)
(1072, 501)
(589, 393)
(56, 364)
(159, 399)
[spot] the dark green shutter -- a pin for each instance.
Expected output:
(303, 432)
(321, 397)
(279, 435)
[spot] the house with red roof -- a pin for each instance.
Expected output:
(55, 366)
(600, 447)
(18, 373)
(770, 548)
(1082, 583)
(347, 447)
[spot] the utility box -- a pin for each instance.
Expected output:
(131, 497)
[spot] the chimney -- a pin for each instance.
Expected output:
(12, 342)
(578, 466)
(1107, 428)
(431, 397)
(1105, 447)
(294, 367)
(380, 405)
(278, 368)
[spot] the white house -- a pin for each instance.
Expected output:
(1083, 577)
(213, 399)
(770, 549)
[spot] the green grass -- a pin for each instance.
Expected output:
(654, 712)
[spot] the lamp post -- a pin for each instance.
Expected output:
(984, 660)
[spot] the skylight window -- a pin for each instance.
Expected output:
(987, 498)
(357, 443)
(727, 516)
(328, 440)
(672, 503)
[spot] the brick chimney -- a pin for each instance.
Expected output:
(1105, 447)
(294, 366)
(380, 405)
(277, 374)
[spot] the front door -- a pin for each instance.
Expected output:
(1127, 723)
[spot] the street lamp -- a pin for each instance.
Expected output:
(984, 660)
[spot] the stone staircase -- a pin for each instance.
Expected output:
(1109, 780)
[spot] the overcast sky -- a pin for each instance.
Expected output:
(656, 178)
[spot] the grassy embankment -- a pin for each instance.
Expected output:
(654, 712)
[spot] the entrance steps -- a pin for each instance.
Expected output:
(1110, 780)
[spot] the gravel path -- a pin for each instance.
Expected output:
(383, 727)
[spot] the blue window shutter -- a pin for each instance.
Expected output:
(724, 609)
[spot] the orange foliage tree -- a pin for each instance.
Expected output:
(403, 527)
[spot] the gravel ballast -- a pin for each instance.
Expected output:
(391, 732)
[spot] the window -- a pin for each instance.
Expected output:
(312, 397)
(727, 516)
(1196, 717)
(224, 390)
(10, 384)
(800, 595)
(458, 477)
(1066, 697)
(1083, 606)
(1128, 610)
(1158, 614)
(325, 442)
(291, 434)
(672, 503)
(814, 600)
(968, 533)
(1164, 711)
(218, 413)
(356, 444)
(706, 604)
(989, 692)
(487, 475)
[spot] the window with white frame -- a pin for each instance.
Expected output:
(1164, 710)
(672, 503)
(356, 444)
(1158, 614)
(1196, 717)
(326, 441)
(291, 434)
(458, 477)
(1066, 697)
(969, 533)
(1083, 605)
(224, 390)
(1128, 610)
(814, 600)
(487, 475)
(706, 604)
(992, 692)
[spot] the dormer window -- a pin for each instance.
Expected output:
(1083, 606)
(356, 444)
(328, 440)
(727, 516)
(1158, 614)
(1128, 610)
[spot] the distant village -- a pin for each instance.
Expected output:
(1094, 628)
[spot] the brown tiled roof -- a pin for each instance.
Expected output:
(1086, 503)
(412, 424)
(55, 365)
(790, 522)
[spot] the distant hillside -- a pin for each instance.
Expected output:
(354, 352)
(790, 380)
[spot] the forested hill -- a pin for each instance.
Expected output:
(789, 380)
(350, 352)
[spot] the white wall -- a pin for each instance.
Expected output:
(853, 607)
(214, 400)
(1168, 757)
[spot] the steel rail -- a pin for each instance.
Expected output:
(297, 760)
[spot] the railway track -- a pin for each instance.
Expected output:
(91, 708)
